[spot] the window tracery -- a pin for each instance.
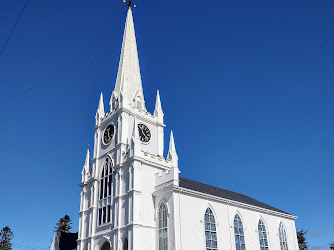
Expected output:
(210, 230)
(104, 212)
(282, 237)
(239, 233)
(262, 235)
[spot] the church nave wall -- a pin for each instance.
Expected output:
(192, 210)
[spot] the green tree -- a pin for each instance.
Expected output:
(331, 245)
(64, 224)
(302, 239)
(6, 236)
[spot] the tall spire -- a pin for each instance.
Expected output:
(129, 66)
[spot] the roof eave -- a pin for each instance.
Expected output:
(232, 202)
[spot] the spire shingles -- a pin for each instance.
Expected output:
(128, 69)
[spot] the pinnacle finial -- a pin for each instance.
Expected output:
(172, 155)
(171, 150)
(86, 170)
(101, 106)
(129, 3)
(158, 109)
(87, 161)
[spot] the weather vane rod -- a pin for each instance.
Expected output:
(129, 3)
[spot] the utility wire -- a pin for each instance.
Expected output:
(3, 48)
(21, 246)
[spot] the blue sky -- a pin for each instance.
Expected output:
(246, 86)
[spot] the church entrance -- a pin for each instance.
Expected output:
(125, 244)
(106, 246)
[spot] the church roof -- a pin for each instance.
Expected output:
(223, 193)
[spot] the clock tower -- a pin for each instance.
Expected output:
(117, 210)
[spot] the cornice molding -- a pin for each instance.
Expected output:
(83, 184)
(146, 116)
(127, 193)
(109, 229)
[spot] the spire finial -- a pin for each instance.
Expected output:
(129, 3)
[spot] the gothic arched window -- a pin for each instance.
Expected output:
(282, 237)
(262, 235)
(163, 233)
(239, 233)
(105, 192)
(210, 230)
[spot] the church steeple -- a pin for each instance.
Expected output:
(128, 69)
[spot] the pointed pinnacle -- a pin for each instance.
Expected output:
(172, 149)
(100, 109)
(87, 161)
(158, 108)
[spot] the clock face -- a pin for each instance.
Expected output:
(144, 133)
(108, 134)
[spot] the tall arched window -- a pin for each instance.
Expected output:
(210, 230)
(163, 233)
(105, 192)
(262, 235)
(239, 233)
(282, 237)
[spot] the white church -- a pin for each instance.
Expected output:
(133, 198)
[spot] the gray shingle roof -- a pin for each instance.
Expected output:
(223, 193)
